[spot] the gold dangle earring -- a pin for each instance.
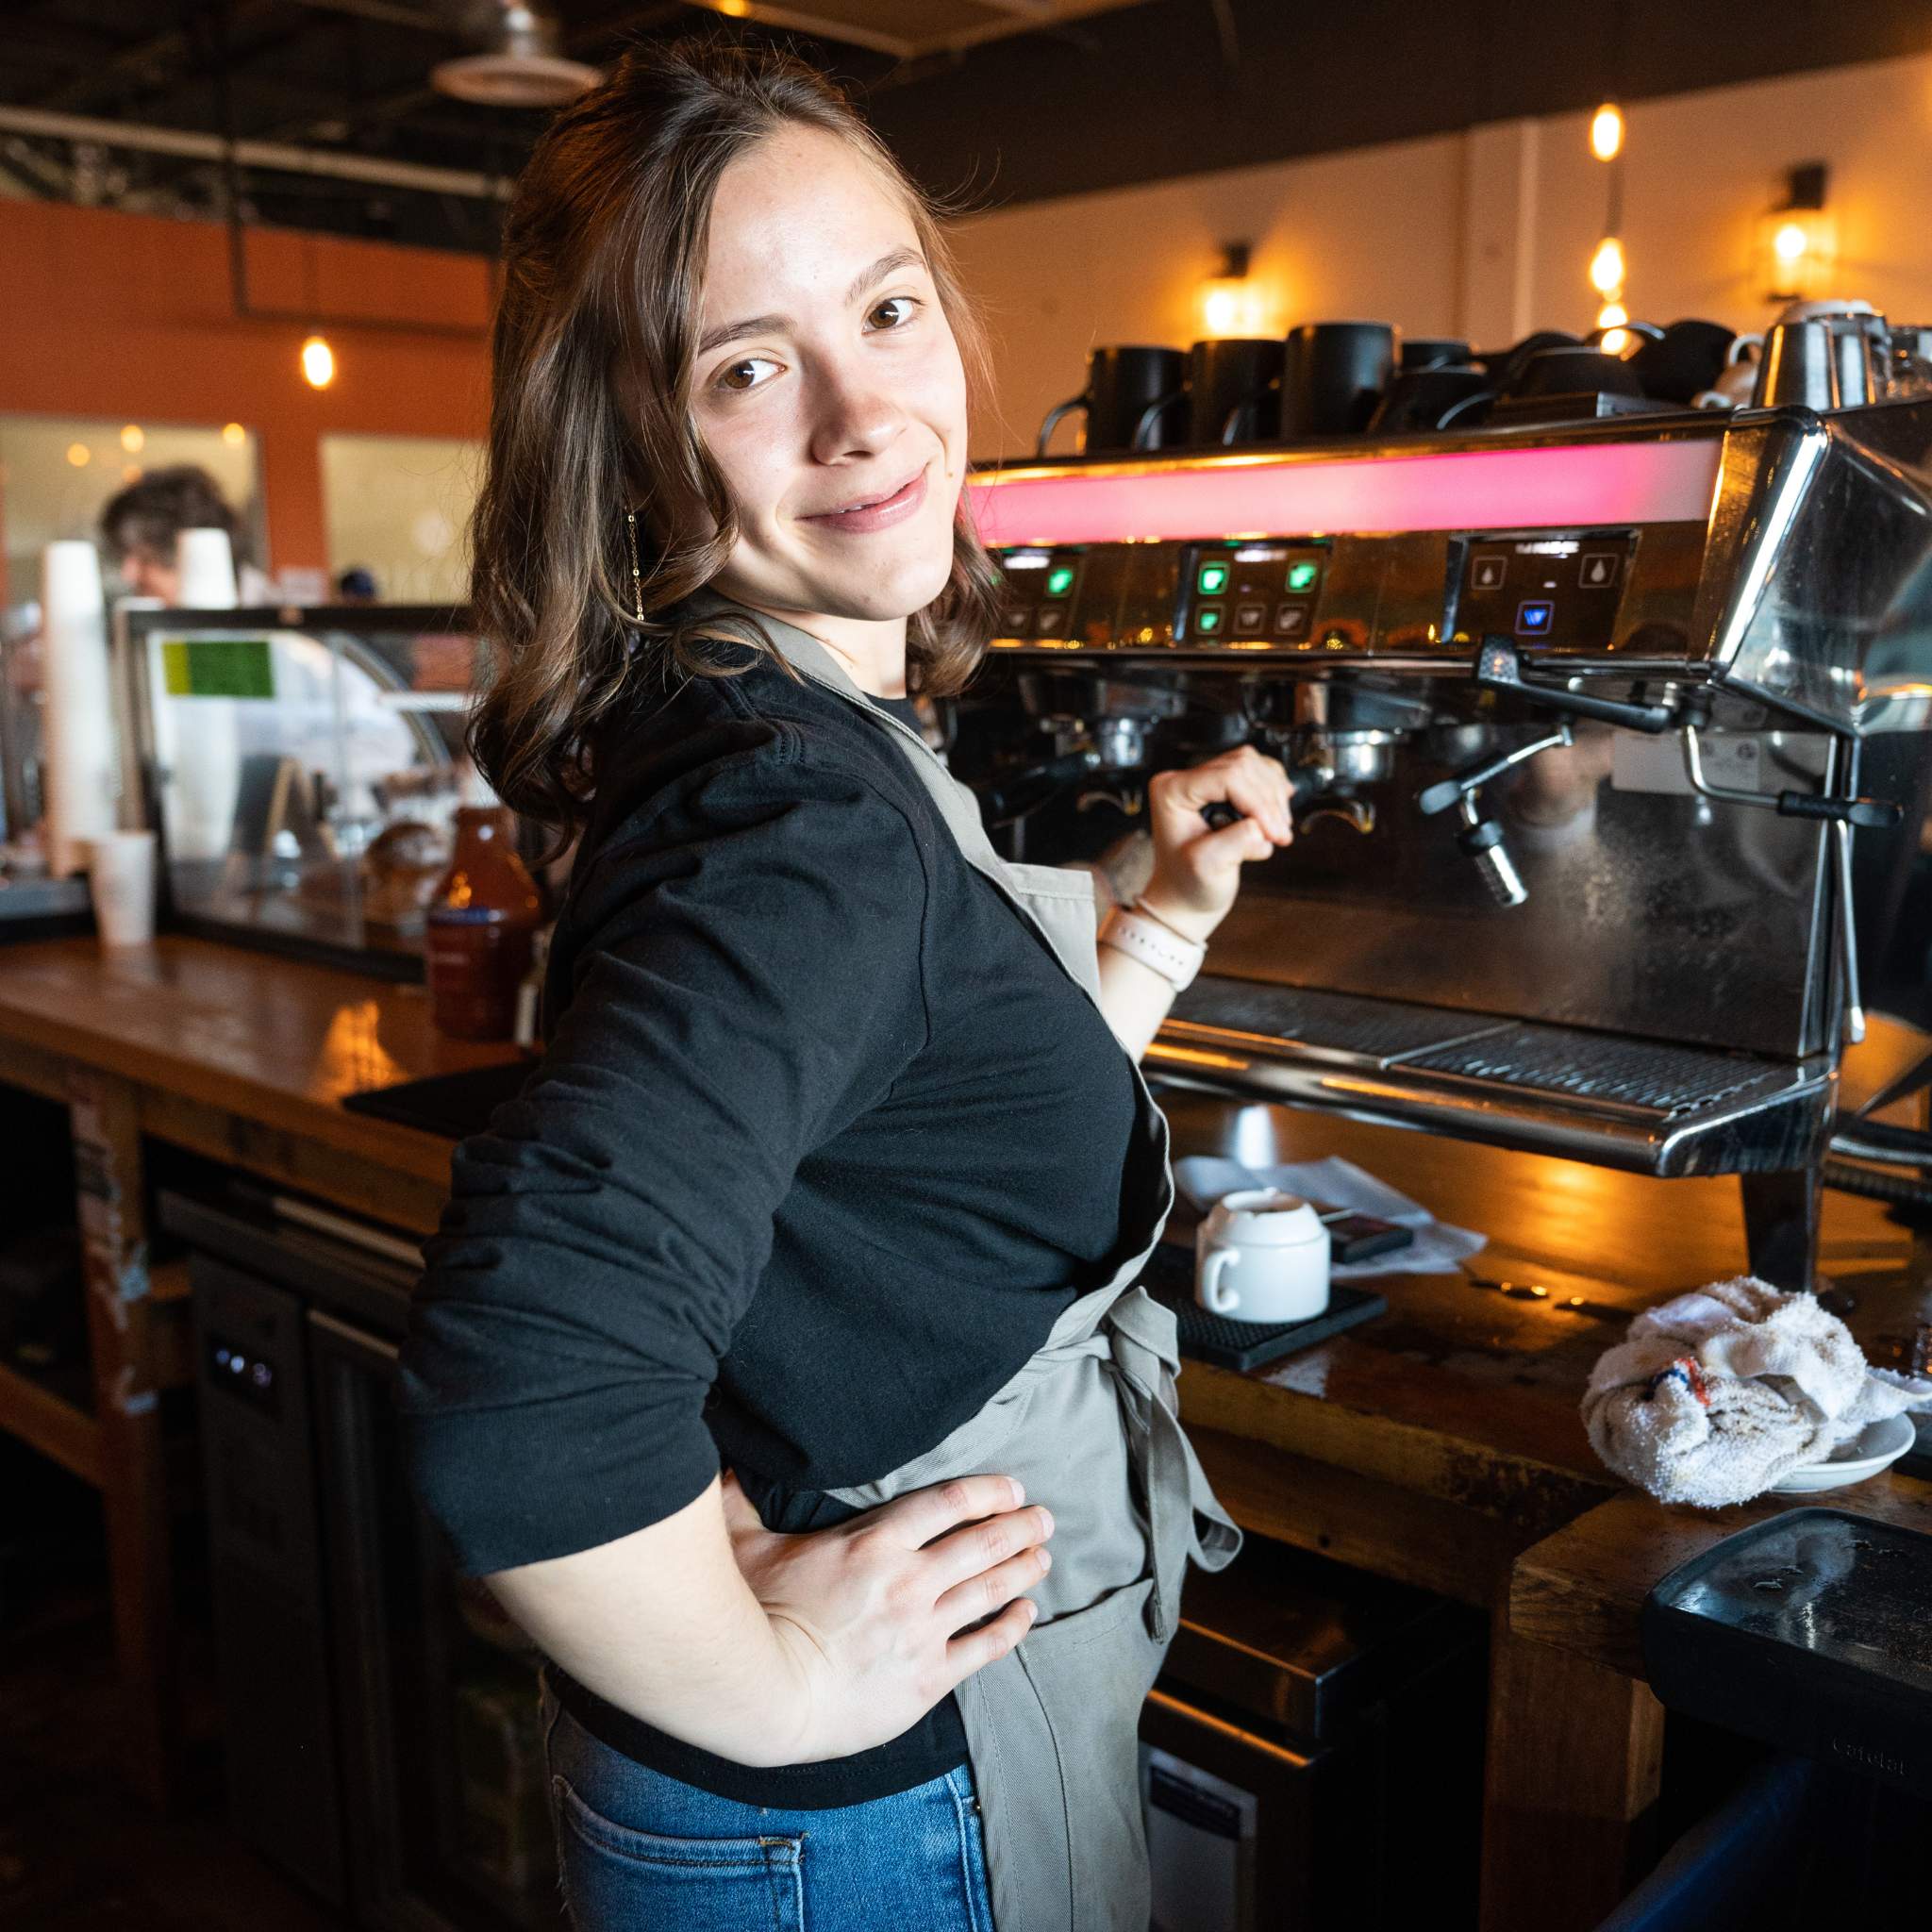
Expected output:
(637, 575)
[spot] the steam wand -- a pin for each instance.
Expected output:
(1481, 838)
(1499, 668)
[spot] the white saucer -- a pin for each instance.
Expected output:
(1875, 1447)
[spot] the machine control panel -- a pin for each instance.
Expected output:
(1567, 593)
(1543, 587)
(1251, 595)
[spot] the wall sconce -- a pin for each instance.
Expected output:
(1232, 304)
(1798, 240)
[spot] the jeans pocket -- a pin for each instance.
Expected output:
(616, 1879)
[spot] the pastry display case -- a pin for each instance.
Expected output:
(304, 768)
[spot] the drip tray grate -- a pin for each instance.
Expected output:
(1379, 1030)
(1649, 1105)
(1669, 1081)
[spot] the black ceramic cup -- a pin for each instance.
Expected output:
(1334, 374)
(1419, 399)
(1685, 360)
(1433, 352)
(1575, 370)
(1233, 390)
(1134, 398)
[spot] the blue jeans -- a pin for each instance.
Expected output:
(639, 1851)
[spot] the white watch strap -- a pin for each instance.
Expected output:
(1174, 959)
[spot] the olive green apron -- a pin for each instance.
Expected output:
(1090, 1425)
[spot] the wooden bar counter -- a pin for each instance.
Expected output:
(242, 1056)
(1435, 1445)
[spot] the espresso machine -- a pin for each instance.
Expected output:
(1585, 724)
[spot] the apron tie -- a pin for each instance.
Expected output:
(1146, 1358)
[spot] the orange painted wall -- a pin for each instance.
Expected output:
(130, 316)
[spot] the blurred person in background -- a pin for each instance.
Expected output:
(141, 526)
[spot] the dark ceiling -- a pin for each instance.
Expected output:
(1165, 88)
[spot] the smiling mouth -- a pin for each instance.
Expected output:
(867, 503)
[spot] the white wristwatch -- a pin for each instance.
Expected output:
(1157, 947)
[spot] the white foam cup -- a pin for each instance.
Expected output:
(121, 881)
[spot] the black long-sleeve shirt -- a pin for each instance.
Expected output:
(823, 1141)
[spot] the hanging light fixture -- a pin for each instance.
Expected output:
(318, 359)
(318, 362)
(1607, 265)
(522, 69)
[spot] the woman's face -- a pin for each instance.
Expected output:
(827, 387)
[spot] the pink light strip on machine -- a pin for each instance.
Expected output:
(1541, 487)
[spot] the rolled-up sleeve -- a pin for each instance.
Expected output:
(748, 980)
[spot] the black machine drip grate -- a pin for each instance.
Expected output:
(1668, 1080)
(1337, 1022)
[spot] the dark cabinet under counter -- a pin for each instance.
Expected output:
(379, 1712)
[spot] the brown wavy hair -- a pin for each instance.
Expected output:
(603, 258)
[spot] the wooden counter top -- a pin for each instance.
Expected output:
(260, 1039)
(1464, 1394)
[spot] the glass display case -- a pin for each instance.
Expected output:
(304, 768)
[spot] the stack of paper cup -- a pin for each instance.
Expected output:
(121, 880)
(205, 560)
(80, 776)
(206, 770)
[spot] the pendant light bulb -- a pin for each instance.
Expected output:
(318, 362)
(1607, 266)
(1606, 132)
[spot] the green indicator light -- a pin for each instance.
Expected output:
(1213, 579)
(1301, 577)
(1059, 580)
(1207, 620)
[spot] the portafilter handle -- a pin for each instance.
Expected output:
(1307, 793)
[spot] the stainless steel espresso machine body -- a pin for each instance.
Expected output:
(1577, 720)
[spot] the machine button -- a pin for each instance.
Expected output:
(1207, 620)
(1250, 617)
(1292, 621)
(1598, 570)
(1487, 573)
(1015, 621)
(1051, 620)
(1059, 580)
(1534, 619)
(1301, 577)
(1211, 579)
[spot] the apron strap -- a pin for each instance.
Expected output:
(1143, 1333)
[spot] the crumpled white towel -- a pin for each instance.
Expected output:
(1715, 1395)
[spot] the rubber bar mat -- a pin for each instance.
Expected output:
(1228, 1344)
(453, 1104)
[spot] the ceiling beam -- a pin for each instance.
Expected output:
(255, 154)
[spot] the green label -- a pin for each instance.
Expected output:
(217, 668)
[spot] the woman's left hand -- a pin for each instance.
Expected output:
(1196, 872)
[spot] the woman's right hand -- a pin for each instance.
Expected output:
(879, 1618)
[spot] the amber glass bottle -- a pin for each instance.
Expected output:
(481, 922)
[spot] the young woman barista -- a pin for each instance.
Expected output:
(835, 1164)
